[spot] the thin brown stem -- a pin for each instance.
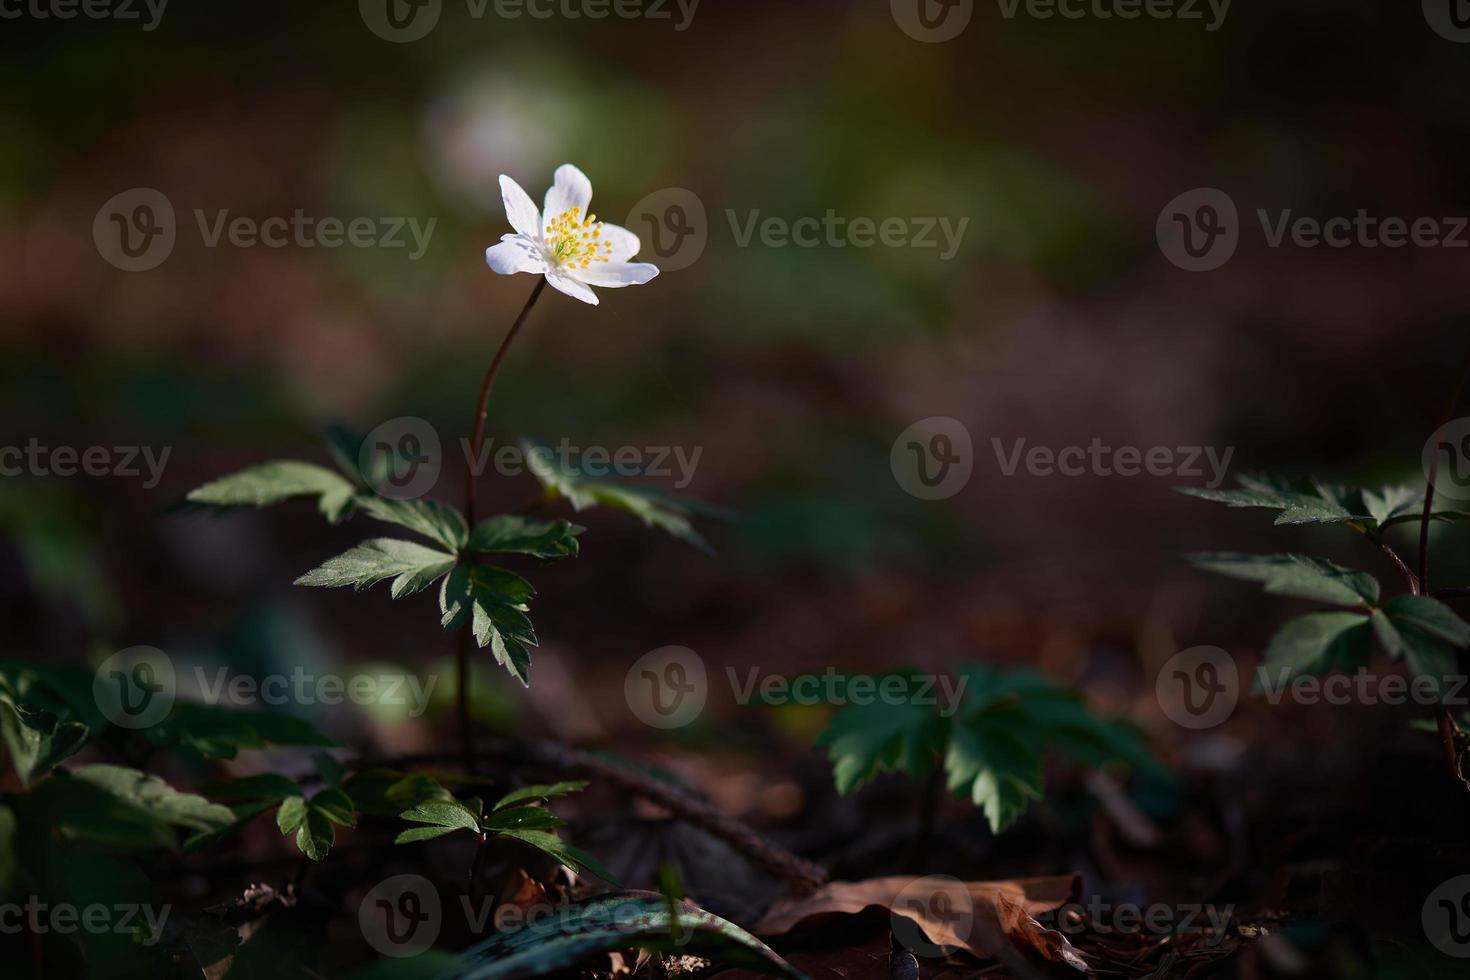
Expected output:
(471, 495)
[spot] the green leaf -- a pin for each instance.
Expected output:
(522, 818)
(436, 521)
(559, 849)
(652, 508)
(1423, 632)
(292, 814)
(1393, 503)
(1321, 643)
(1317, 504)
(415, 834)
(864, 740)
(388, 792)
(216, 732)
(122, 808)
(35, 739)
(316, 836)
(336, 806)
(444, 813)
(493, 601)
(541, 792)
(273, 483)
(996, 768)
(413, 567)
(1296, 575)
(554, 944)
(513, 535)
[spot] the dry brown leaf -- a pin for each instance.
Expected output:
(1017, 923)
(944, 908)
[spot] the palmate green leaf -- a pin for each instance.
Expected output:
(522, 818)
(995, 767)
(388, 792)
(652, 508)
(494, 602)
(413, 567)
(548, 791)
(277, 482)
(555, 847)
(1296, 575)
(312, 821)
(1390, 504)
(444, 813)
(35, 739)
(216, 732)
(121, 808)
(1425, 633)
(515, 535)
(864, 740)
(553, 945)
(1298, 505)
(438, 522)
(1320, 643)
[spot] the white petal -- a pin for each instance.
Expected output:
(615, 275)
(519, 208)
(515, 253)
(576, 290)
(571, 189)
(624, 243)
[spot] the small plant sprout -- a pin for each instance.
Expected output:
(1416, 627)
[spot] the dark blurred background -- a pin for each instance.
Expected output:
(1058, 321)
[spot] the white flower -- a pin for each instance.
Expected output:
(570, 247)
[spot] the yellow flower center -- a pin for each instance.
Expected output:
(577, 241)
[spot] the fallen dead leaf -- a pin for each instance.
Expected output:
(944, 909)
